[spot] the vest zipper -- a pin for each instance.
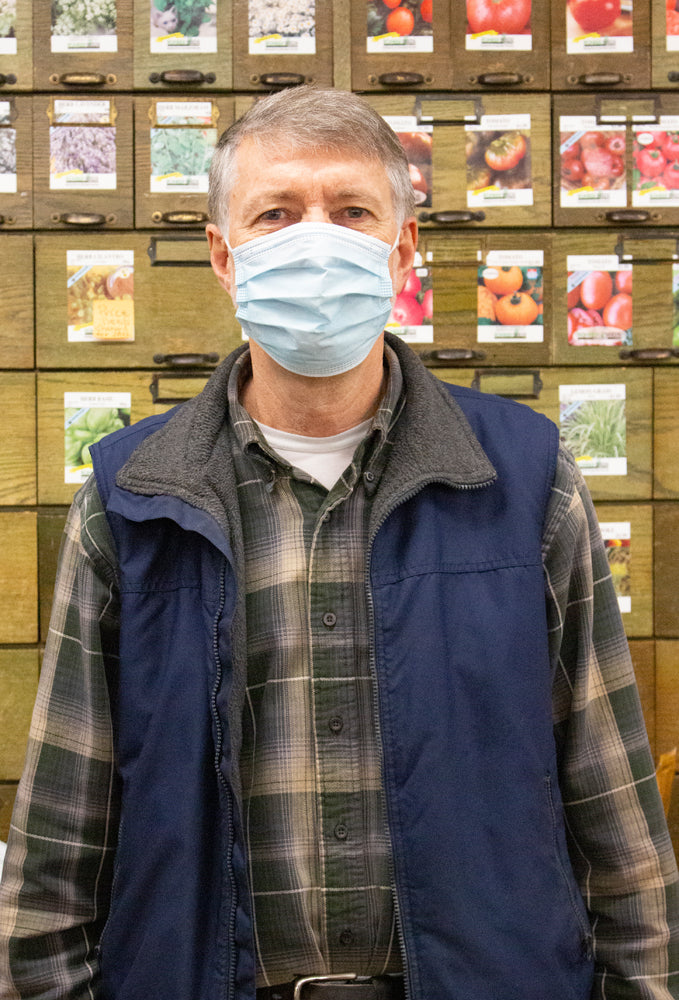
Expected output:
(376, 699)
(231, 929)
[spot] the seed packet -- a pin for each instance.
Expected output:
(88, 417)
(412, 315)
(510, 297)
(656, 163)
(592, 163)
(181, 26)
(84, 27)
(417, 142)
(498, 157)
(8, 16)
(400, 26)
(498, 27)
(281, 27)
(181, 146)
(617, 538)
(100, 295)
(593, 425)
(82, 140)
(8, 151)
(598, 28)
(599, 301)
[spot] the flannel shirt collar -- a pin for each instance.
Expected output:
(370, 457)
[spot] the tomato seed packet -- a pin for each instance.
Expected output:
(672, 26)
(417, 142)
(592, 163)
(498, 158)
(493, 27)
(599, 301)
(412, 315)
(403, 26)
(510, 297)
(656, 163)
(599, 28)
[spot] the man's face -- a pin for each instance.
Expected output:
(277, 188)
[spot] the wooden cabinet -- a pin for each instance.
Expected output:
(17, 465)
(16, 301)
(391, 49)
(18, 577)
(84, 51)
(279, 46)
(591, 54)
(193, 51)
(130, 300)
(83, 162)
(19, 684)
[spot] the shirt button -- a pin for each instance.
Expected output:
(329, 619)
(369, 476)
(341, 831)
(346, 937)
(336, 724)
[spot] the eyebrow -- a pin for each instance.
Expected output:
(252, 202)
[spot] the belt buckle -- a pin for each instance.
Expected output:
(303, 981)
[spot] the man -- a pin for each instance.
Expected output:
(336, 703)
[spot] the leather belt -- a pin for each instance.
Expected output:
(347, 986)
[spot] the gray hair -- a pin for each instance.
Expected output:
(310, 118)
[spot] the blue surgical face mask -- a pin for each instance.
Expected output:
(315, 296)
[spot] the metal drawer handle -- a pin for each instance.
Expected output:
(282, 79)
(7, 78)
(452, 218)
(180, 218)
(628, 215)
(182, 76)
(500, 79)
(89, 219)
(600, 79)
(83, 79)
(649, 354)
(185, 360)
(449, 356)
(400, 79)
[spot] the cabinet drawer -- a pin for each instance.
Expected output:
(18, 577)
(664, 46)
(175, 138)
(67, 399)
(613, 302)
(667, 697)
(496, 54)
(398, 48)
(127, 300)
(17, 466)
(604, 416)
(83, 161)
(278, 46)
(51, 522)
(665, 569)
(627, 530)
(19, 670)
(643, 658)
(16, 47)
(490, 296)
(665, 437)
(16, 300)
(74, 50)
(16, 157)
(589, 54)
(615, 160)
(188, 48)
(479, 160)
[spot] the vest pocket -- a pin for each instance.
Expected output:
(563, 863)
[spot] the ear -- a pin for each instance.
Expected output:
(220, 258)
(404, 255)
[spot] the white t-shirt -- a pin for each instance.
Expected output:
(324, 458)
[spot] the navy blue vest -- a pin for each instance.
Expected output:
(488, 906)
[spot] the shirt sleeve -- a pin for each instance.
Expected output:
(55, 888)
(620, 848)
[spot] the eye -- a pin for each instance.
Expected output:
(354, 212)
(272, 215)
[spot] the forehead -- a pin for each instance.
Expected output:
(261, 168)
